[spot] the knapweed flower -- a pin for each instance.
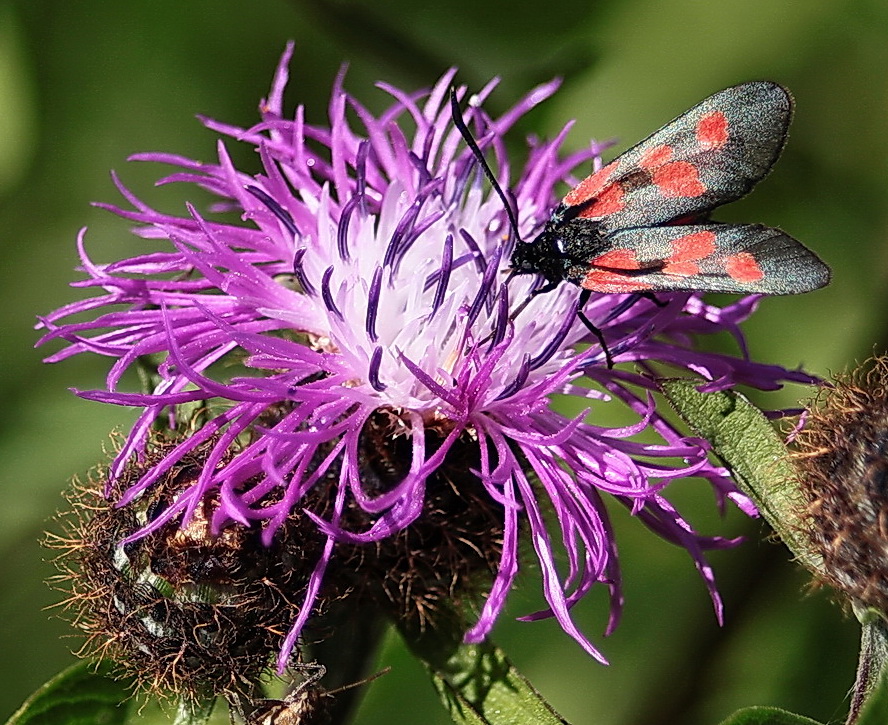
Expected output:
(357, 310)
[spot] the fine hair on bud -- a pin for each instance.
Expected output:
(842, 455)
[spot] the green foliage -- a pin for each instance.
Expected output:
(83, 694)
(481, 687)
(476, 683)
(757, 456)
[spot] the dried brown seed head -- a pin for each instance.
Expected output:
(842, 454)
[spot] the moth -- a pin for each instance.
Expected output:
(641, 224)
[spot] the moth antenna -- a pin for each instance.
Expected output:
(479, 155)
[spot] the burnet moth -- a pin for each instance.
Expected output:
(641, 224)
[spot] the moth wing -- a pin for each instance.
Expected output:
(710, 155)
(738, 258)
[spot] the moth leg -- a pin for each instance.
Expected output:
(653, 298)
(581, 303)
(548, 287)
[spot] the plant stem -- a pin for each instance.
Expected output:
(873, 658)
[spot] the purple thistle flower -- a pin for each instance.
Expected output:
(367, 275)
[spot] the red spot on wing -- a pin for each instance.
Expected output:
(590, 186)
(712, 130)
(618, 259)
(600, 280)
(743, 268)
(678, 179)
(608, 201)
(692, 247)
(656, 156)
(683, 268)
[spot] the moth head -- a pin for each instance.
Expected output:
(542, 256)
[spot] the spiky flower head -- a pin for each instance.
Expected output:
(842, 456)
(181, 612)
(360, 309)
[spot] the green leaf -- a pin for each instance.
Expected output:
(767, 716)
(477, 683)
(481, 687)
(757, 456)
(83, 694)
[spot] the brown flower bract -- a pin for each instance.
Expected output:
(842, 454)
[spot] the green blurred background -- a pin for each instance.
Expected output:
(84, 84)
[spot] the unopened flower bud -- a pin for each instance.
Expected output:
(185, 609)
